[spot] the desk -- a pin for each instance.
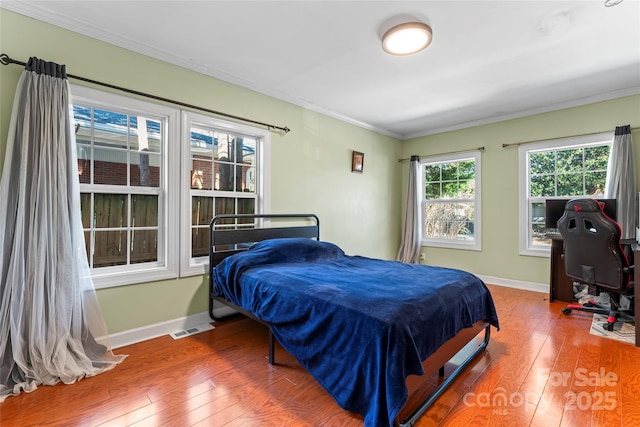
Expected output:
(561, 286)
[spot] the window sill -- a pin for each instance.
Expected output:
(124, 278)
(452, 245)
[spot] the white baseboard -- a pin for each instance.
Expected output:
(518, 284)
(143, 333)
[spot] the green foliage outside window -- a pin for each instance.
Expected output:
(571, 172)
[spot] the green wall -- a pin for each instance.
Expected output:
(310, 166)
(500, 250)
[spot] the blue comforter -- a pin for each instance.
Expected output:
(360, 326)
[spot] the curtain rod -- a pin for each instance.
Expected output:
(516, 144)
(6, 60)
(444, 154)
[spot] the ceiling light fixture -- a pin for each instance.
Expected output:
(406, 39)
(609, 3)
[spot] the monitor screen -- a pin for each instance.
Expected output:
(554, 209)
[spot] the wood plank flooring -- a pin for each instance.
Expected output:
(541, 369)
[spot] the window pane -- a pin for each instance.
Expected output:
(570, 184)
(569, 160)
(144, 246)
(449, 171)
(144, 134)
(199, 241)
(466, 170)
(110, 248)
(110, 210)
(145, 169)
(595, 183)
(87, 245)
(201, 210)
(201, 215)
(110, 129)
(543, 186)
(450, 190)
(432, 191)
(537, 213)
(226, 176)
(85, 209)
(202, 138)
(201, 173)
(82, 120)
(432, 225)
(467, 189)
(248, 151)
(542, 163)
(248, 179)
(596, 158)
(225, 148)
(225, 205)
(246, 206)
(144, 211)
(84, 163)
(539, 234)
(432, 173)
(453, 221)
(110, 167)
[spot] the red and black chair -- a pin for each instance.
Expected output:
(593, 255)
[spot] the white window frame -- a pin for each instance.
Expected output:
(190, 266)
(166, 267)
(525, 247)
(476, 243)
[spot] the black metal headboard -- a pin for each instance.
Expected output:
(230, 234)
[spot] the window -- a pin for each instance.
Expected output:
(223, 174)
(124, 163)
(452, 201)
(150, 184)
(566, 168)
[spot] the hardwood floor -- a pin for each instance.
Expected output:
(541, 369)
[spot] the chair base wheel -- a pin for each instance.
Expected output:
(608, 327)
(566, 310)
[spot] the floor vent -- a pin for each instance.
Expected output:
(191, 331)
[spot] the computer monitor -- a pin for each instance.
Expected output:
(554, 209)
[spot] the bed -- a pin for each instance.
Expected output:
(369, 331)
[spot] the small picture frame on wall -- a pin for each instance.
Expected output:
(357, 162)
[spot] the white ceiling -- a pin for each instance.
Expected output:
(489, 60)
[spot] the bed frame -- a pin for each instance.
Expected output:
(230, 234)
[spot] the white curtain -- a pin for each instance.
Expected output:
(51, 327)
(621, 180)
(410, 244)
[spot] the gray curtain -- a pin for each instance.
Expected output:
(621, 180)
(410, 244)
(51, 327)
